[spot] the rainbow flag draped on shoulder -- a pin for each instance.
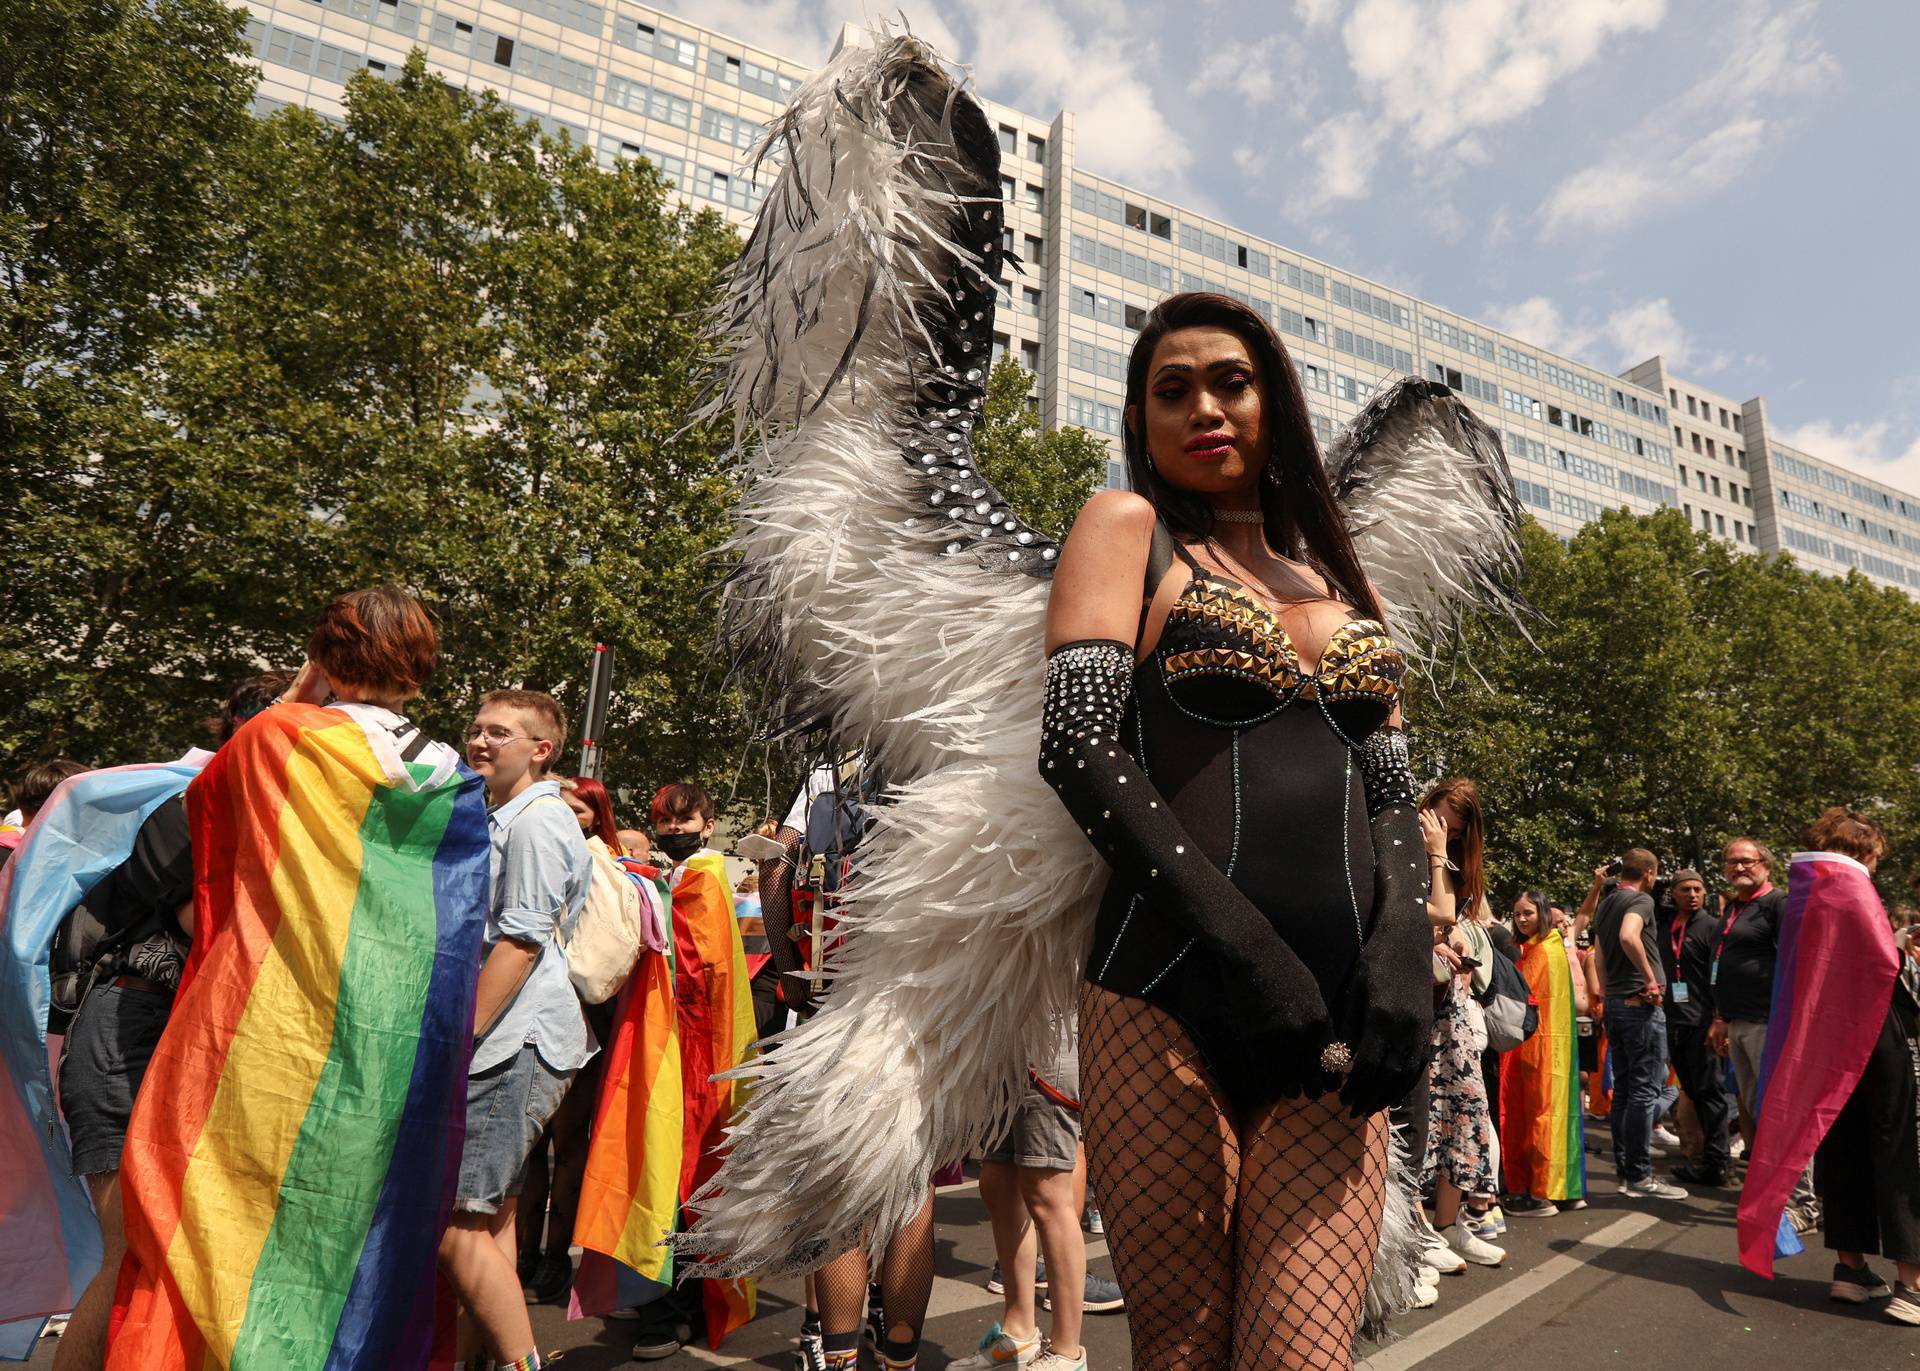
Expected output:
(49, 1238)
(630, 1195)
(1831, 987)
(291, 1158)
(1540, 1133)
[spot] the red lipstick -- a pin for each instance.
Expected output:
(1210, 447)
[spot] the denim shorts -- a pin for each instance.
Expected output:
(105, 1058)
(507, 1107)
(1045, 1134)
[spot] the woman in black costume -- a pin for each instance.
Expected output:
(1222, 720)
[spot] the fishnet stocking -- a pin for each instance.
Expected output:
(1312, 1182)
(1244, 1248)
(906, 1283)
(1162, 1154)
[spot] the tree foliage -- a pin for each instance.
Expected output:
(428, 347)
(1677, 693)
(1046, 475)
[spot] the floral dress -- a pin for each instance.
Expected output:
(1460, 1132)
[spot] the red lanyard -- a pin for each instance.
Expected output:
(1736, 910)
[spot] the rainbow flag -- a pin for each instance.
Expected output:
(714, 1002)
(291, 1158)
(49, 1238)
(1831, 987)
(631, 1192)
(1541, 1140)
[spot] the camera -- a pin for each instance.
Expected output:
(1614, 867)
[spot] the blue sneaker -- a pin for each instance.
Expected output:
(1103, 1296)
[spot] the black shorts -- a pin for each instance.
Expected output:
(105, 1059)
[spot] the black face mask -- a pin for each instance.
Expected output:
(678, 846)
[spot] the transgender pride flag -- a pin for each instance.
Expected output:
(1831, 988)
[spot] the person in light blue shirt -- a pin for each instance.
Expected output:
(530, 1035)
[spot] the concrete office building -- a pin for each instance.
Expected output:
(628, 81)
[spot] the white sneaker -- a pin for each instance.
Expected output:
(1652, 1188)
(1665, 1139)
(1737, 1148)
(1425, 1296)
(1050, 1360)
(1476, 1250)
(1442, 1258)
(1424, 1274)
(1000, 1349)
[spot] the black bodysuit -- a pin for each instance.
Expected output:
(1233, 811)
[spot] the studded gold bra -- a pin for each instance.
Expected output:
(1215, 629)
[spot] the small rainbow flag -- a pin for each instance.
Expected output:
(1831, 987)
(291, 1159)
(49, 1238)
(1541, 1140)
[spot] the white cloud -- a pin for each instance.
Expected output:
(1868, 448)
(1318, 13)
(1431, 75)
(1626, 336)
(1666, 159)
(1276, 70)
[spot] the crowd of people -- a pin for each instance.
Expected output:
(1650, 1007)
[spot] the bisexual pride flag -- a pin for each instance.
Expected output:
(1831, 987)
(292, 1156)
(49, 1238)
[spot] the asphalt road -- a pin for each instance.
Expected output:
(1620, 1284)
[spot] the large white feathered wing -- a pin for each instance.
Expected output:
(885, 594)
(1430, 501)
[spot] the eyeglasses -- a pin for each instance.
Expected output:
(1744, 861)
(494, 735)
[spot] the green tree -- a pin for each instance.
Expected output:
(118, 123)
(1046, 475)
(1671, 693)
(437, 349)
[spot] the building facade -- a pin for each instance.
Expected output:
(1095, 256)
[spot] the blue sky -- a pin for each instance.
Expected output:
(1729, 182)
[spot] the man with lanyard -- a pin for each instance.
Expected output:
(1692, 933)
(1740, 984)
(1623, 931)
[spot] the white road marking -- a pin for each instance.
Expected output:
(1410, 1351)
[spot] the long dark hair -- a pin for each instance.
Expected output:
(1303, 520)
(1469, 850)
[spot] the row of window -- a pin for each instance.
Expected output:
(1190, 282)
(1836, 551)
(1455, 337)
(1104, 309)
(487, 45)
(1521, 362)
(1365, 302)
(1131, 265)
(583, 15)
(1092, 200)
(552, 127)
(305, 53)
(1703, 409)
(1842, 518)
(1381, 354)
(1097, 415)
(1559, 501)
(1711, 522)
(1466, 383)
(1102, 362)
(650, 40)
(1734, 490)
(1589, 469)
(402, 16)
(721, 187)
(1256, 261)
(1584, 386)
(1841, 485)
(1222, 249)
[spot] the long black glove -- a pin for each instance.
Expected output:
(1388, 1021)
(1268, 988)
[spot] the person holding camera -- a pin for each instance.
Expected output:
(1625, 934)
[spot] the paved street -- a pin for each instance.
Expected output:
(1618, 1285)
